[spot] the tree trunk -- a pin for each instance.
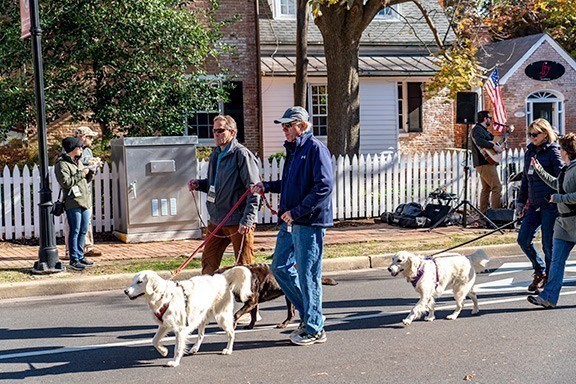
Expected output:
(343, 82)
(301, 54)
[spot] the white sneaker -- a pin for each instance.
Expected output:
(247, 318)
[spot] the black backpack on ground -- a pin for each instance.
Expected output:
(409, 215)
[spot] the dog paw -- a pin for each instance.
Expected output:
(193, 350)
(226, 351)
(162, 350)
(451, 317)
(475, 311)
(407, 322)
(282, 325)
(172, 363)
(430, 318)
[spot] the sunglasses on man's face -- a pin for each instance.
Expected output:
(219, 130)
(288, 125)
(534, 134)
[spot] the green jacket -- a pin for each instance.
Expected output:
(75, 188)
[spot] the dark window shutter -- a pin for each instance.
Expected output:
(415, 107)
(235, 107)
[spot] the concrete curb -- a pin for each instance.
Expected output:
(64, 284)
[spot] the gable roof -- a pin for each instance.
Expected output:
(509, 55)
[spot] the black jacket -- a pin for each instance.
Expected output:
(532, 188)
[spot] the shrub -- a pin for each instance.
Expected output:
(278, 156)
(203, 152)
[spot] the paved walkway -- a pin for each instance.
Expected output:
(23, 256)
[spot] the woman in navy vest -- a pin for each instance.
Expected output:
(532, 204)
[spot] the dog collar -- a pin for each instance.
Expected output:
(160, 314)
(420, 272)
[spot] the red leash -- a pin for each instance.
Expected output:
(187, 261)
(272, 210)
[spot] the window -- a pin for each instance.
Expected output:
(318, 107)
(285, 9)
(410, 106)
(199, 123)
(389, 13)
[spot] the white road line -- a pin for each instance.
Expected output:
(257, 329)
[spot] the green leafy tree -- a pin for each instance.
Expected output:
(121, 64)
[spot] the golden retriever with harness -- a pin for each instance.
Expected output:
(431, 276)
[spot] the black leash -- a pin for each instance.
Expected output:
(478, 238)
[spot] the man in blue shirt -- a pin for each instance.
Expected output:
(305, 211)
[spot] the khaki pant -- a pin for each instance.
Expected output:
(215, 247)
(491, 187)
(88, 239)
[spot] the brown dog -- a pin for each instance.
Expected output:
(265, 288)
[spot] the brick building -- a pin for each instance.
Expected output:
(538, 80)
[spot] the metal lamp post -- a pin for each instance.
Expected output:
(48, 261)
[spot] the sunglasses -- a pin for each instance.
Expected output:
(534, 134)
(219, 130)
(288, 125)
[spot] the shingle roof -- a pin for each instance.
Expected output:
(410, 32)
(505, 54)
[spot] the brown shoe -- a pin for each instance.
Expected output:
(538, 282)
(92, 253)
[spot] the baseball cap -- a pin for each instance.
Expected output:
(293, 114)
(71, 143)
(85, 131)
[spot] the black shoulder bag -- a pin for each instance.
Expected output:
(58, 206)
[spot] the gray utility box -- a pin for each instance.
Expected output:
(150, 188)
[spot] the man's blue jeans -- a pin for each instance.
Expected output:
(561, 251)
(297, 266)
(532, 221)
(78, 221)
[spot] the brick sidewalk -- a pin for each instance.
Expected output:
(21, 256)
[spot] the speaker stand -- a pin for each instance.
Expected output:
(465, 202)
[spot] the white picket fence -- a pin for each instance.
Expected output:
(364, 187)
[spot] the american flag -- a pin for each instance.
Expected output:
(493, 90)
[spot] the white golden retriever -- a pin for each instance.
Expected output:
(185, 305)
(431, 276)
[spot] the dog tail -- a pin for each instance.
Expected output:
(479, 259)
(240, 282)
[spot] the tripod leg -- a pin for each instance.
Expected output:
(450, 212)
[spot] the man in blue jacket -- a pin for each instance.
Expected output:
(305, 211)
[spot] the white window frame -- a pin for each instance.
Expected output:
(403, 114)
(279, 14)
(390, 13)
(312, 107)
(547, 96)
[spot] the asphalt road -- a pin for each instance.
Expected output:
(105, 338)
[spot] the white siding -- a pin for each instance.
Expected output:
(378, 115)
(277, 96)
